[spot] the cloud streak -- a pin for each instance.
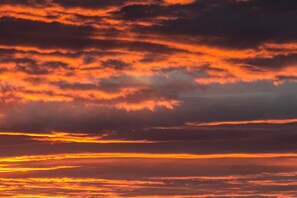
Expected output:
(244, 122)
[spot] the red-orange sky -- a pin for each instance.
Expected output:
(148, 98)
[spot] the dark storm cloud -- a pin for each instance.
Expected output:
(235, 24)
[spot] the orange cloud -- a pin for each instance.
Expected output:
(148, 104)
(179, 1)
(269, 121)
(33, 158)
(29, 169)
(71, 138)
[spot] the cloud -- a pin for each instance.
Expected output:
(91, 4)
(44, 35)
(275, 62)
(172, 97)
(116, 64)
(233, 24)
(243, 122)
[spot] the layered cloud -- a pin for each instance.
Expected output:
(160, 87)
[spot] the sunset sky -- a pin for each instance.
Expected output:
(148, 98)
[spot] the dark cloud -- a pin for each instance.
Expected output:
(140, 12)
(154, 10)
(24, 2)
(56, 35)
(75, 86)
(45, 35)
(115, 64)
(55, 64)
(115, 83)
(276, 62)
(217, 104)
(235, 24)
(91, 4)
(286, 78)
(273, 5)
(30, 66)
(228, 23)
(111, 84)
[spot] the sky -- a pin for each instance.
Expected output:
(148, 98)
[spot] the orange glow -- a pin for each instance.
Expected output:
(27, 169)
(149, 104)
(179, 1)
(36, 196)
(33, 158)
(93, 186)
(79, 180)
(71, 137)
(206, 81)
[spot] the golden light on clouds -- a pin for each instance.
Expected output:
(151, 98)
